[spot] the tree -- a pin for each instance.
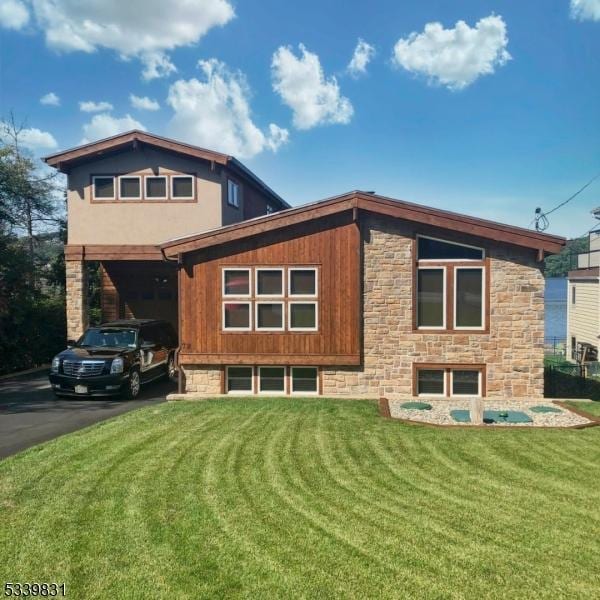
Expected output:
(560, 264)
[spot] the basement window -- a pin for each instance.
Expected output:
(271, 380)
(240, 380)
(466, 383)
(305, 380)
(103, 187)
(431, 382)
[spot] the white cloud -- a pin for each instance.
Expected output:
(91, 106)
(144, 29)
(50, 99)
(215, 112)
(363, 54)
(143, 102)
(302, 85)
(104, 125)
(455, 57)
(35, 139)
(585, 10)
(13, 14)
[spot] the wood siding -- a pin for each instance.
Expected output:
(332, 245)
(583, 314)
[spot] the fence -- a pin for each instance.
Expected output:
(572, 380)
(555, 346)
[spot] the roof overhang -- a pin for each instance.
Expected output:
(543, 243)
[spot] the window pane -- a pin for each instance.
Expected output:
(269, 316)
(232, 193)
(237, 283)
(269, 283)
(182, 187)
(469, 297)
(156, 187)
(272, 379)
(430, 297)
(430, 382)
(130, 187)
(304, 379)
(303, 316)
(302, 282)
(465, 382)
(436, 249)
(104, 187)
(239, 379)
(237, 315)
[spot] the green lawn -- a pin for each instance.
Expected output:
(303, 498)
(592, 408)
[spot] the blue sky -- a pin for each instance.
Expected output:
(510, 122)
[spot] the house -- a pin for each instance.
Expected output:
(127, 194)
(362, 295)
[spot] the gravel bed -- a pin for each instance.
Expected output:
(440, 413)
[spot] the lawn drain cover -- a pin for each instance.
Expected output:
(416, 406)
(545, 409)
(492, 416)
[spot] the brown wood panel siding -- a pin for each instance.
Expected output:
(109, 296)
(332, 245)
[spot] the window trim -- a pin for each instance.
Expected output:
(289, 282)
(153, 198)
(289, 320)
(256, 272)
(105, 199)
(229, 296)
(234, 301)
(444, 297)
(239, 392)
(444, 379)
(448, 368)
(453, 243)
(139, 178)
(237, 195)
(172, 178)
(272, 392)
(483, 298)
(291, 385)
(256, 326)
(466, 368)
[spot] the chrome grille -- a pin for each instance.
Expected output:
(83, 368)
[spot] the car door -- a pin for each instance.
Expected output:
(153, 353)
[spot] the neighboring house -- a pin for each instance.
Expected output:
(363, 295)
(583, 303)
(126, 195)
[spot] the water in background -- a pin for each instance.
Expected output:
(555, 306)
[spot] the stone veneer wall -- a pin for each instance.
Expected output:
(76, 298)
(202, 379)
(512, 351)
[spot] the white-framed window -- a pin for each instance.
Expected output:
(269, 316)
(269, 282)
(182, 187)
(103, 187)
(237, 282)
(469, 298)
(155, 187)
(430, 248)
(233, 193)
(431, 297)
(304, 380)
(303, 315)
(303, 281)
(130, 187)
(237, 315)
(239, 380)
(431, 382)
(465, 382)
(271, 380)
(270, 209)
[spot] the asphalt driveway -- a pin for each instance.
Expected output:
(30, 414)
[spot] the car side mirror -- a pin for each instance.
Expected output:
(71, 343)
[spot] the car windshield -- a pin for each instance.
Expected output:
(109, 338)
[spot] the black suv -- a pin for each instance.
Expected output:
(115, 358)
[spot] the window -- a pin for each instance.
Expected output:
(269, 316)
(302, 316)
(574, 353)
(236, 316)
(269, 282)
(236, 282)
(182, 187)
(466, 382)
(449, 380)
(434, 249)
(156, 187)
(305, 380)
(431, 382)
(130, 187)
(239, 380)
(573, 294)
(233, 193)
(468, 298)
(271, 380)
(270, 209)
(431, 292)
(302, 282)
(103, 187)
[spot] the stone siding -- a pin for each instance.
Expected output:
(76, 298)
(202, 379)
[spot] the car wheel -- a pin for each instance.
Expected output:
(171, 368)
(133, 384)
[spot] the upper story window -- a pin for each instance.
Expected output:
(182, 187)
(130, 187)
(103, 187)
(156, 187)
(450, 283)
(233, 193)
(270, 209)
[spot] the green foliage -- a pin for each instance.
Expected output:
(560, 264)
